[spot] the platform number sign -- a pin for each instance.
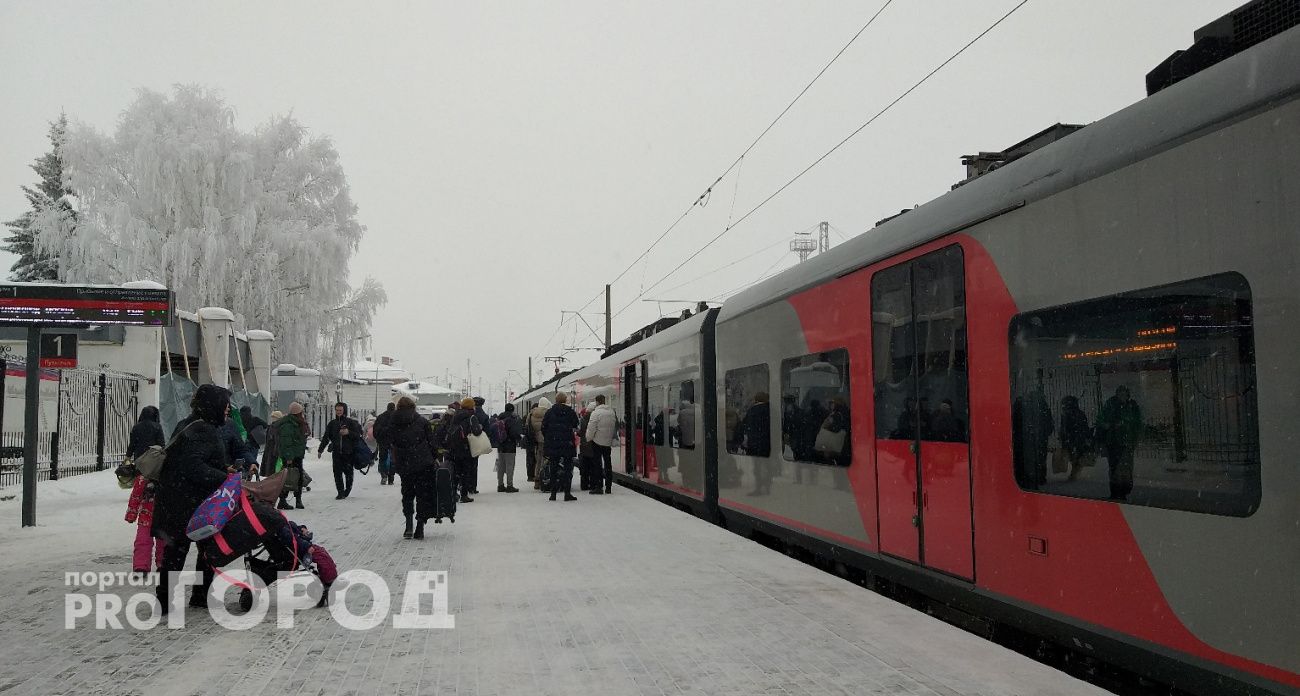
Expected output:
(58, 351)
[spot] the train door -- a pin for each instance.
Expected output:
(634, 410)
(922, 412)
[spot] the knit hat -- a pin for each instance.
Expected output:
(468, 403)
(295, 409)
(277, 415)
(210, 403)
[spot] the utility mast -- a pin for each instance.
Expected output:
(803, 245)
(823, 237)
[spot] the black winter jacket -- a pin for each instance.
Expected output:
(412, 442)
(558, 426)
(383, 428)
(343, 446)
(146, 433)
(236, 447)
(514, 433)
(195, 467)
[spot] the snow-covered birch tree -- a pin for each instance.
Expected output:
(261, 223)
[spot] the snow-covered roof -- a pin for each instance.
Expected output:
(367, 370)
(423, 387)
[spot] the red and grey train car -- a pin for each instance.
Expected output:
(1062, 396)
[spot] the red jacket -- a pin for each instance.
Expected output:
(139, 508)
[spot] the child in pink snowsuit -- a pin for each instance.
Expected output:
(139, 509)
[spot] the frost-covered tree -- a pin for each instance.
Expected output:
(48, 202)
(261, 223)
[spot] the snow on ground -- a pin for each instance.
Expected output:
(609, 595)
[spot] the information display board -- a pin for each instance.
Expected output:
(23, 304)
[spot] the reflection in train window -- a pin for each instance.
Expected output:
(815, 408)
(1146, 397)
(748, 413)
(657, 416)
(684, 415)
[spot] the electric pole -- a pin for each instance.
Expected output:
(823, 237)
(608, 322)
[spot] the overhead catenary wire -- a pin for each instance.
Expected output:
(702, 276)
(703, 198)
(828, 153)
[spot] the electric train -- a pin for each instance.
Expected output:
(1061, 397)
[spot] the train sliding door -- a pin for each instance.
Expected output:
(634, 415)
(922, 451)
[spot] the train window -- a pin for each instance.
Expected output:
(748, 413)
(815, 408)
(918, 319)
(682, 431)
(657, 417)
(1146, 397)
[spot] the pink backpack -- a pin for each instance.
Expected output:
(217, 509)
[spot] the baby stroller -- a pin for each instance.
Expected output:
(268, 542)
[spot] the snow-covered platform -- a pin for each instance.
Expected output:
(608, 595)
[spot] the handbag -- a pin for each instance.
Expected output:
(150, 462)
(829, 442)
(479, 444)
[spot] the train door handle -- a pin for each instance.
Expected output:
(912, 446)
(916, 520)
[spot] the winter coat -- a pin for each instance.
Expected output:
(514, 433)
(535, 418)
(139, 507)
(195, 467)
(343, 446)
(455, 437)
(1076, 436)
(686, 426)
(558, 426)
(271, 452)
(383, 428)
(236, 446)
(603, 426)
(412, 442)
(1119, 424)
(291, 437)
(757, 428)
(145, 433)
(584, 445)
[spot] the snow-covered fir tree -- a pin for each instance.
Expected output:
(47, 200)
(261, 223)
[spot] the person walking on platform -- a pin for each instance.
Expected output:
(341, 437)
(196, 465)
(511, 432)
(537, 439)
(602, 428)
(148, 552)
(291, 433)
(411, 446)
(456, 441)
(558, 428)
(383, 434)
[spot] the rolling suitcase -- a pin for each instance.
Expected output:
(444, 492)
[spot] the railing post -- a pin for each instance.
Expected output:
(99, 436)
(54, 456)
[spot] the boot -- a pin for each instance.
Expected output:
(419, 530)
(501, 489)
(464, 498)
(511, 489)
(297, 502)
(568, 497)
(406, 534)
(283, 504)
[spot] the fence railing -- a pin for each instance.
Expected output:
(95, 414)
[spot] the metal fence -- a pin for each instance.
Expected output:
(95, 413)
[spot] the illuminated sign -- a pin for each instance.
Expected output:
(1120, 351)
(72, 305)
(1165, 331)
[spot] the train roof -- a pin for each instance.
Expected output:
(1266, 74)
(676, 332)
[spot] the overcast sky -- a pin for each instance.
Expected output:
(509, 158)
